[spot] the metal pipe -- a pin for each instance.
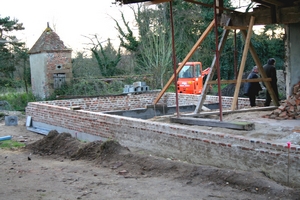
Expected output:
(217, 61)
(174, 57)
(8, 137)
(235, 62)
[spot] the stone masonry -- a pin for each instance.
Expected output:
(188, 143)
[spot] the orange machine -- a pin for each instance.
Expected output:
(191, 78)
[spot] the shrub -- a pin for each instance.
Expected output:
(18, 101)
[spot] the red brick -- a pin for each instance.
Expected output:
(277, 111)
(291, 101)
(283, 114)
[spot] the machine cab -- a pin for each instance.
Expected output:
(190, 80)
(190, 70)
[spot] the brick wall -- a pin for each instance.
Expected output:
(171, 140)
(128, 102)
(62, 59)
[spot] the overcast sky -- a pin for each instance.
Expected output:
(69, 19)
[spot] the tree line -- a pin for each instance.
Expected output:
(145, 50)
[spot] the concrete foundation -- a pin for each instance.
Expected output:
(187, 143)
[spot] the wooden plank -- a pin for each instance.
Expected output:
(75, 107)
(214, 123)
(235, 27)
(243, 81)
(274, 2)
(262, 71)
(229, 111)
(241, 70)
(212, 71)
(263, 17)
(194, 48)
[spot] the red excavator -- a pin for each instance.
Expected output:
(191, 78)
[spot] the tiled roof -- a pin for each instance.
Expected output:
(49, 41)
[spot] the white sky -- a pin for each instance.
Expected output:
(69, 19)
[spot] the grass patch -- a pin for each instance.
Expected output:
(8, 144)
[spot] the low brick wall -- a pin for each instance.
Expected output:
(171, 140)
(129, 102)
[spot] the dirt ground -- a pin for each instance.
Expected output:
(58, 166)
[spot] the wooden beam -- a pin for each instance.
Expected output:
(248, 126)
(243, 81)
(212, 71)
(189, 55)
(261, 71)
(241, 70)
(75, 107)
(284, 15)
(274, 2)
(131, 1)
(235, 27)
(203, 114)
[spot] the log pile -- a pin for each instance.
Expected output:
(290, 108)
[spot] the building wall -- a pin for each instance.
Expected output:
(59, 62)
(38, 74)
(43, 66)
(187, 143)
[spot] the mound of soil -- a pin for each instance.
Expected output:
(132, 165)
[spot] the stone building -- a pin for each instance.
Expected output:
(50, 64)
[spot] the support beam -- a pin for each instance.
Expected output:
(204, 114)
(284, 15)
(241, 70)
(274, 2)
(235, 27)
(212, 71)
(194, 48)
(261, 71)
(243, 81)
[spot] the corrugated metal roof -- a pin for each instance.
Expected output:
(49, 41)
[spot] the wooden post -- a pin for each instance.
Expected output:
(212, 71)
(261, 71)
(241, 70)
(189, 55)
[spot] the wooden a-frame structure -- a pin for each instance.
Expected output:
(218, 8)
(248, 46)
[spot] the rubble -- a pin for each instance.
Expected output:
(290, 108)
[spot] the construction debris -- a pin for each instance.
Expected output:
(290, 109)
